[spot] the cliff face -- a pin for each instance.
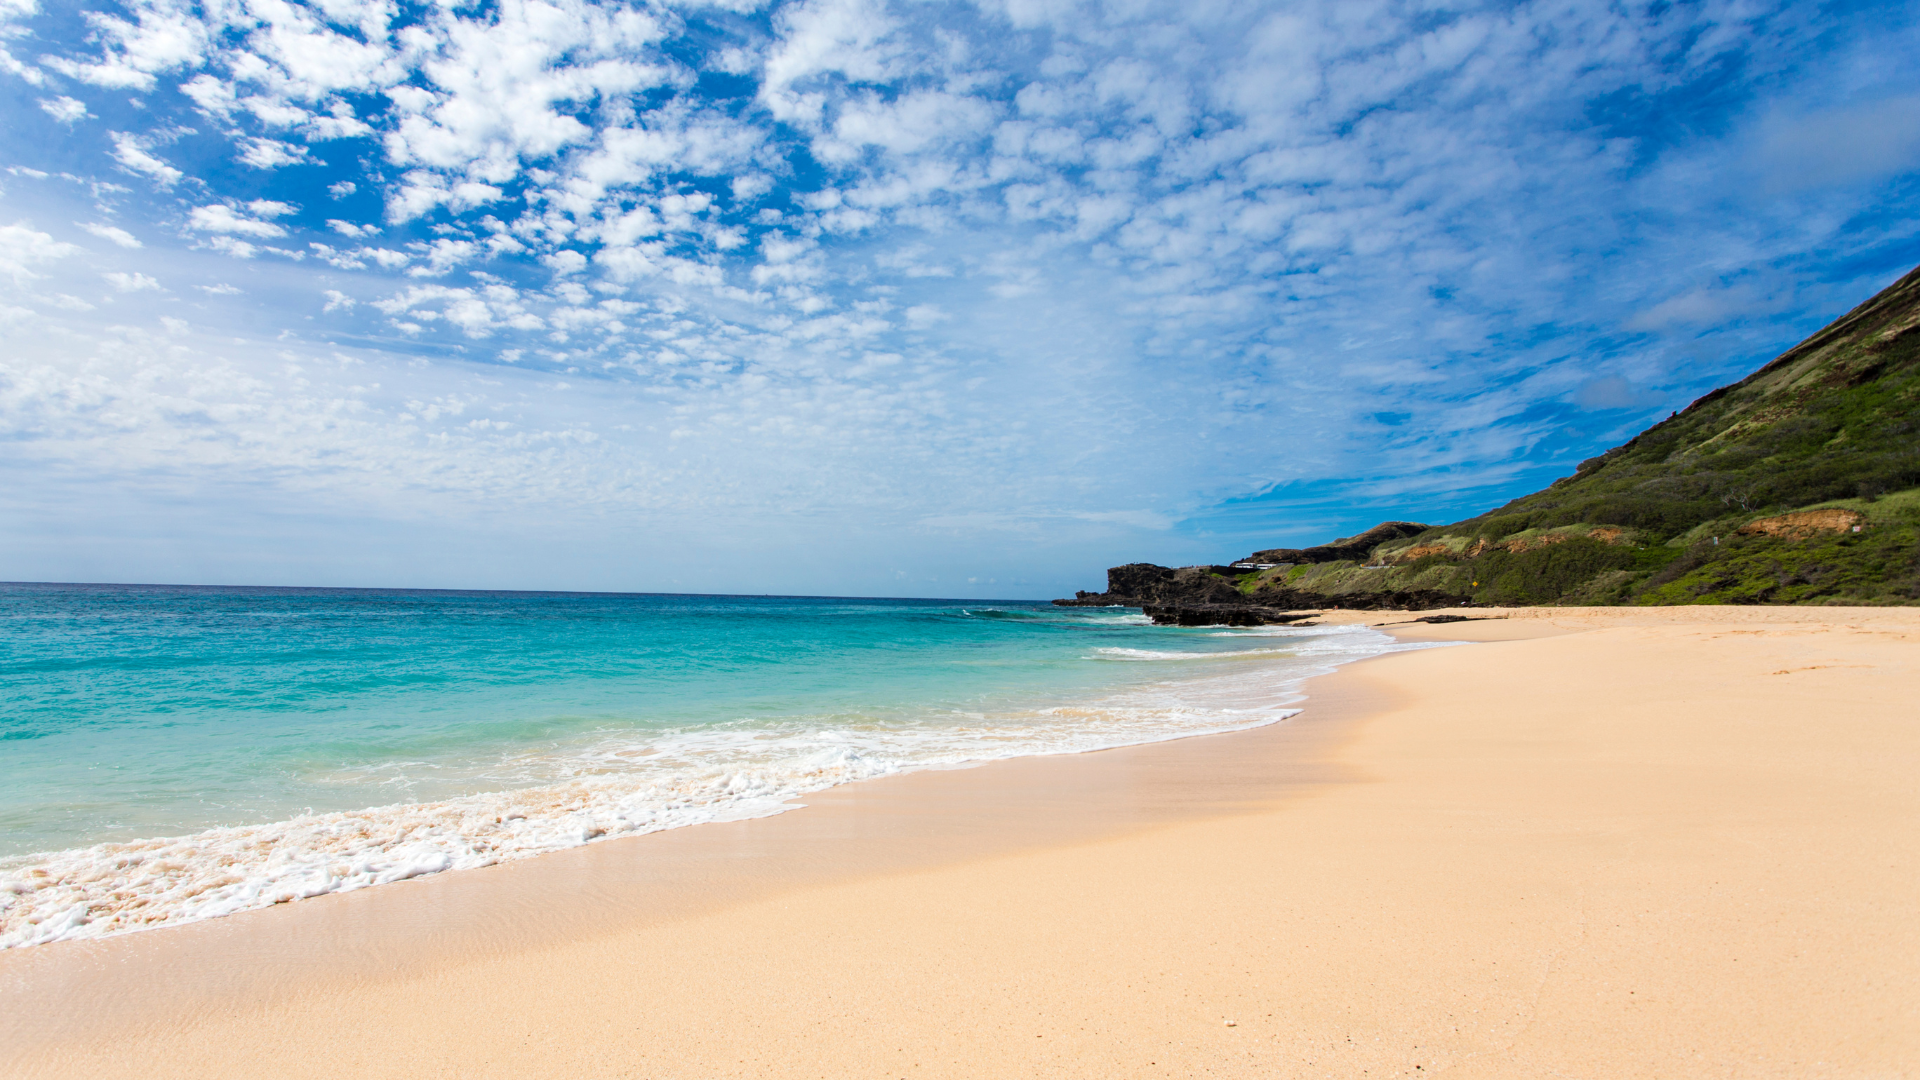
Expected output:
(1188, 596)
(1797, 484)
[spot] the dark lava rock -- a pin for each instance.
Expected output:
(1354, 548)
(1398, 600)
(1143, 584)
(1222, 615)
(1199, 596)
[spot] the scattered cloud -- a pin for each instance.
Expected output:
(131, 282)
(272, 153)
(117, 235)
(227, 219)
(132, 153)
(162, 38)
(22, 248)
(65, 109)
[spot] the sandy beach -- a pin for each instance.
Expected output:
(1589, 842)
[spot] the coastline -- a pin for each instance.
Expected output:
(1453, 858)
(222, 808)
(901, 823)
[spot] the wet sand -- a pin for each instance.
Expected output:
(1600, 842)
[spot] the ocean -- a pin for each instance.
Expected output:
(171, 753)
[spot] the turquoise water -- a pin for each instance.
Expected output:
(211, 749)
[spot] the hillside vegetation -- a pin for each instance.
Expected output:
(1798, 484)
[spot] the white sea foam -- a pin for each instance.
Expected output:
(1155, 654)
(626, 785)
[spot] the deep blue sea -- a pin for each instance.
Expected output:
(174, 753)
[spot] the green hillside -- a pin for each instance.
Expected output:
(1713, 505)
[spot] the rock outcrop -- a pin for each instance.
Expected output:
(1214, 595)
(1348, 548)
(1145, 584)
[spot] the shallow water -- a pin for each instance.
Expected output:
(177, 753)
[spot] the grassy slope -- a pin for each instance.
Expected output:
(1835, 421)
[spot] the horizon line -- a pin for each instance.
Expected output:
(518, 592)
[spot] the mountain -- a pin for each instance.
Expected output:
(1798, 484)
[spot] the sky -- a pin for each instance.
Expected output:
(860, 298)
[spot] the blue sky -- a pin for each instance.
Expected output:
(867, 298)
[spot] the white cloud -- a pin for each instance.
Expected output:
(166, 36)
(358, 258)
(13, 12)
(905, 125)
(22, 247)
(224, 219)
(421, 191)
(340, 124)
(565, 262)
(921, 316)
(476, 313)
(338, 301)
(65, 109)
(271, 154)
(227, 245)
(214, 97)
(131, 151)
(131, 282)
(750, 185)
(493, 91)
(443, 255)
(302, 58)
(109, 232)
(850, 38)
